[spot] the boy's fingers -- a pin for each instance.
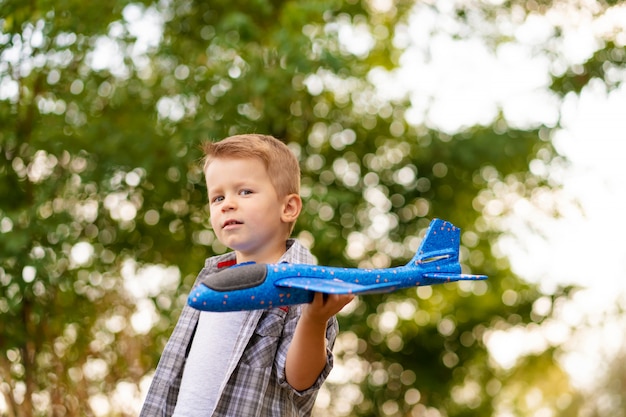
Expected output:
(319, 299)
(330, 302)
(336, 302)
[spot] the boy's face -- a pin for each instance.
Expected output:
(246, 213)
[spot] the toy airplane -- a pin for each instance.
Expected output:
(252, 286)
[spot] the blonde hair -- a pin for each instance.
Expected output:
(281, 164)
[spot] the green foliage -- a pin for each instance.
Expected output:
(103, 219)
(603, 65)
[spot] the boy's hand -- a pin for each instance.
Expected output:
(324, 306)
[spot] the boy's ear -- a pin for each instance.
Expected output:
(291, 208)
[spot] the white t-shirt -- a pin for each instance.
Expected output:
(207, 363)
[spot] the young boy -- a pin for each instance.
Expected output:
(250, 363)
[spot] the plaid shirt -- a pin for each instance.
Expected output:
(256, 383)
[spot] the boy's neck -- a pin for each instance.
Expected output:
(270, 256)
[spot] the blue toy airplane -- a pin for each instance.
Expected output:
(252, 286)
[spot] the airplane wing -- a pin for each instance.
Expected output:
(335, 286)
(440, 277)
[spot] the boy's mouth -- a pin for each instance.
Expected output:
(231, 223)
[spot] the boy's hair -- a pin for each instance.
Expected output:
(281, 164)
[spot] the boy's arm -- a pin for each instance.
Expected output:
(306, 357)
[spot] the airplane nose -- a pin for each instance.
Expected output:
(196, 296)
(204, 299)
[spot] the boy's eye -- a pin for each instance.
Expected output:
(245, 192)
(217, 199)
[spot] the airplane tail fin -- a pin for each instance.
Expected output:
(442, 241)
(438, 254)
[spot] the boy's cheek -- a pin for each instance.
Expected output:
(214, 223)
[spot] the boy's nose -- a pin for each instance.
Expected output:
(228, 204)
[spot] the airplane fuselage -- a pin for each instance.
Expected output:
(259, 286)
(254, 285)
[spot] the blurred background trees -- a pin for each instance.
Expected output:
(103, 219)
